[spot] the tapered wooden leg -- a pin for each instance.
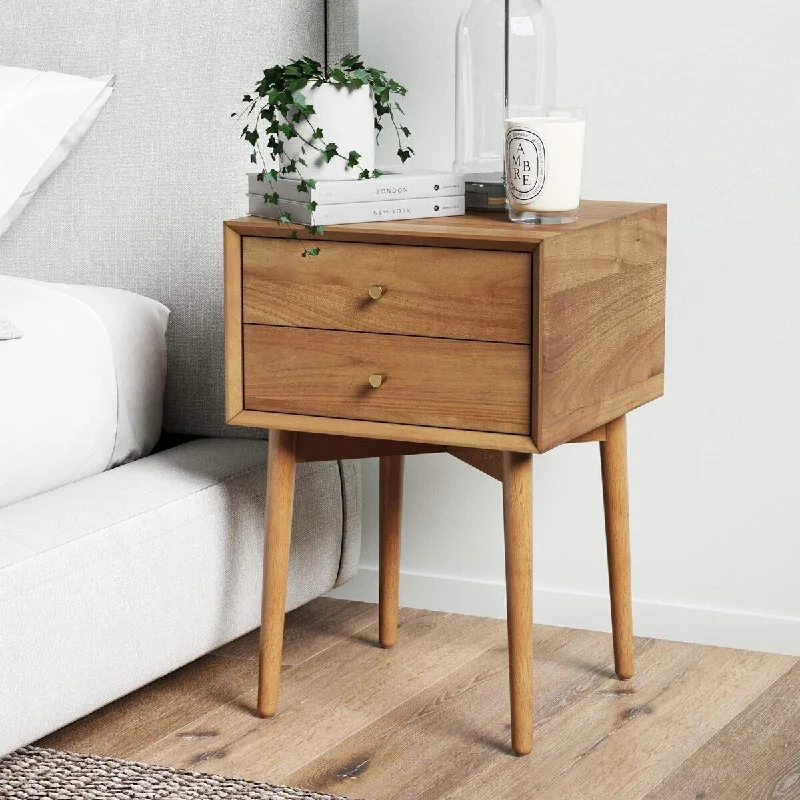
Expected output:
(277, 540)
(391, 510)
(614, 461)
(518, 520)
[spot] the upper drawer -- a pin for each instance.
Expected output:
(419, 291)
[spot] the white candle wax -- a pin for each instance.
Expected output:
(544, 163)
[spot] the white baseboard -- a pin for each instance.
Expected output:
(765, 633)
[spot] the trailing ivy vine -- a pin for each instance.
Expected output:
(278, 112)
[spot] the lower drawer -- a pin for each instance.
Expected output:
(441, 383)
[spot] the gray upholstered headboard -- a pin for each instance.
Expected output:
(140, 204)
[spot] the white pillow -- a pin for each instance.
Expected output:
(43, 117)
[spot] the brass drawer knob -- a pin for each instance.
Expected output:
(376, 381)
(376, 292)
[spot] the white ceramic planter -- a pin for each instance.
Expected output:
(346, 118)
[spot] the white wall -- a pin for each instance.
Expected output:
(694, 104)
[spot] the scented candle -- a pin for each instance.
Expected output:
(544, 167)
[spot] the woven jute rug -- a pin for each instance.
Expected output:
(37, 774)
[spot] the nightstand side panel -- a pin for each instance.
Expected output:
(601, 325)
(234, 355)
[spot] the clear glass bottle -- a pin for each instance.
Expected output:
(504, 68)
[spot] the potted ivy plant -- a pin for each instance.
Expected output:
(311, 123)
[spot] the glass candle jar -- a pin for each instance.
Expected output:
(544, 166)
(504, 69)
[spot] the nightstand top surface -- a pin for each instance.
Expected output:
(485, 227)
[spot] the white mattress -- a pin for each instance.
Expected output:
(82, 390)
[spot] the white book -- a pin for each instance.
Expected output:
(390, 186)
(344, 213)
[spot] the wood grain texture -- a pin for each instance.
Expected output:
(427, 291)
(277, 540)
(126, 726)
(601, 317)
(756, 756)
(432, 382)
(385, 430)
(614, 469)
(234, 381)
(308, 631)
(354, 683)
(458, 727)
(320, 447)
(479, 231)
(489, 462)
(364, 722)
(619, 740)
(390, 515)
(597, 435)
(518, 526)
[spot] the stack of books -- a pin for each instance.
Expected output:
(393, 196)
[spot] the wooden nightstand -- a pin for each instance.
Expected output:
(470, 335)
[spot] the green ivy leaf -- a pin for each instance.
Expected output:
(352, 62)
(283, 105)
(330, 152)
(314, 252)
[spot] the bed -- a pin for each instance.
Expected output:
(117, 568)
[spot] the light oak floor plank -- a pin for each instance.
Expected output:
(309, 630)
(326, 699)
(765, 739)
(460, 725)
(128, 725)
(610, 745)
(429, 719)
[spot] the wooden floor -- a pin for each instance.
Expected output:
(429, 719)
